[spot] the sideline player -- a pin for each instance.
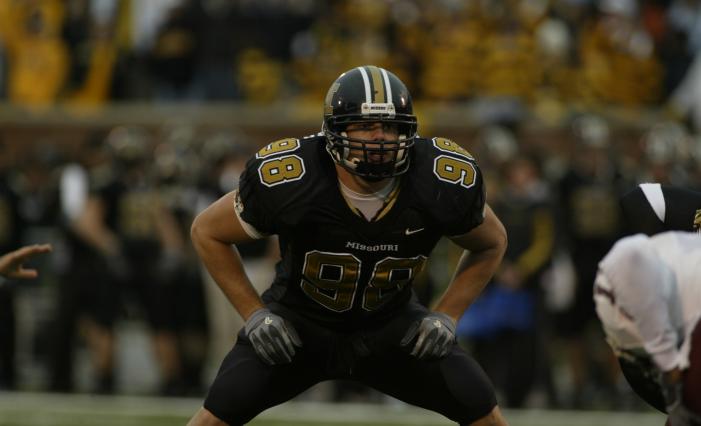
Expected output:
(357, 209)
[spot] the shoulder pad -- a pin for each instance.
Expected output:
(281, 177)
(449, 184)
(448, 146)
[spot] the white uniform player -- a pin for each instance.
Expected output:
(648, 297)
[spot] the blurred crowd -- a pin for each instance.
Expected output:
(544, 54)
(117, 205)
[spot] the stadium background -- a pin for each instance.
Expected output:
(181, 84)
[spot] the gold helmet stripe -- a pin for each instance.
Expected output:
(377, 83)
(366, 82)
(387, 85)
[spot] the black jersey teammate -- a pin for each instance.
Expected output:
(358, 209)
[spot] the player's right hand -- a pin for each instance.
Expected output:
(273, 338)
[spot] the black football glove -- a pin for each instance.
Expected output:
(273, 338)
(436, 335)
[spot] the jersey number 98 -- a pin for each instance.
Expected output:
(331, 279)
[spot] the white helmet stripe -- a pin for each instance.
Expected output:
(655, 196)
(388, 88)
(366, 82)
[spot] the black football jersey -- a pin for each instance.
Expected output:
(337, 267)
(654, 208)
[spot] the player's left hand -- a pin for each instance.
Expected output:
(436, 335)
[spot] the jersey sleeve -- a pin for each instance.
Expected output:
(451, 186)
(276, 185)
(252, 204)
(468, 206)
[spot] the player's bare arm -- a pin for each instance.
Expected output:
(91, 227)
(484, 248)
(12, 263)
(214, 233)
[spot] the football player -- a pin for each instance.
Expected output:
(357, 208)
(648, 297)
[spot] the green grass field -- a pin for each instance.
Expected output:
(25, 409)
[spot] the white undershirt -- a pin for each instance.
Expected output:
(368, 204)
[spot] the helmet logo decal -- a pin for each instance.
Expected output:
(377, 108)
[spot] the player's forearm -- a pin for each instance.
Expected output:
(224, 264)
(99, 237)
(473, 272)
(91, 228)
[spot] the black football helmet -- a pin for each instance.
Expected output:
(369, 94)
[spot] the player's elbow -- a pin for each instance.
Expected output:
(198, 231)
(500, 239)
(502, 242)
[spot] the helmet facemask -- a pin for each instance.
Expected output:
(372, 160)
